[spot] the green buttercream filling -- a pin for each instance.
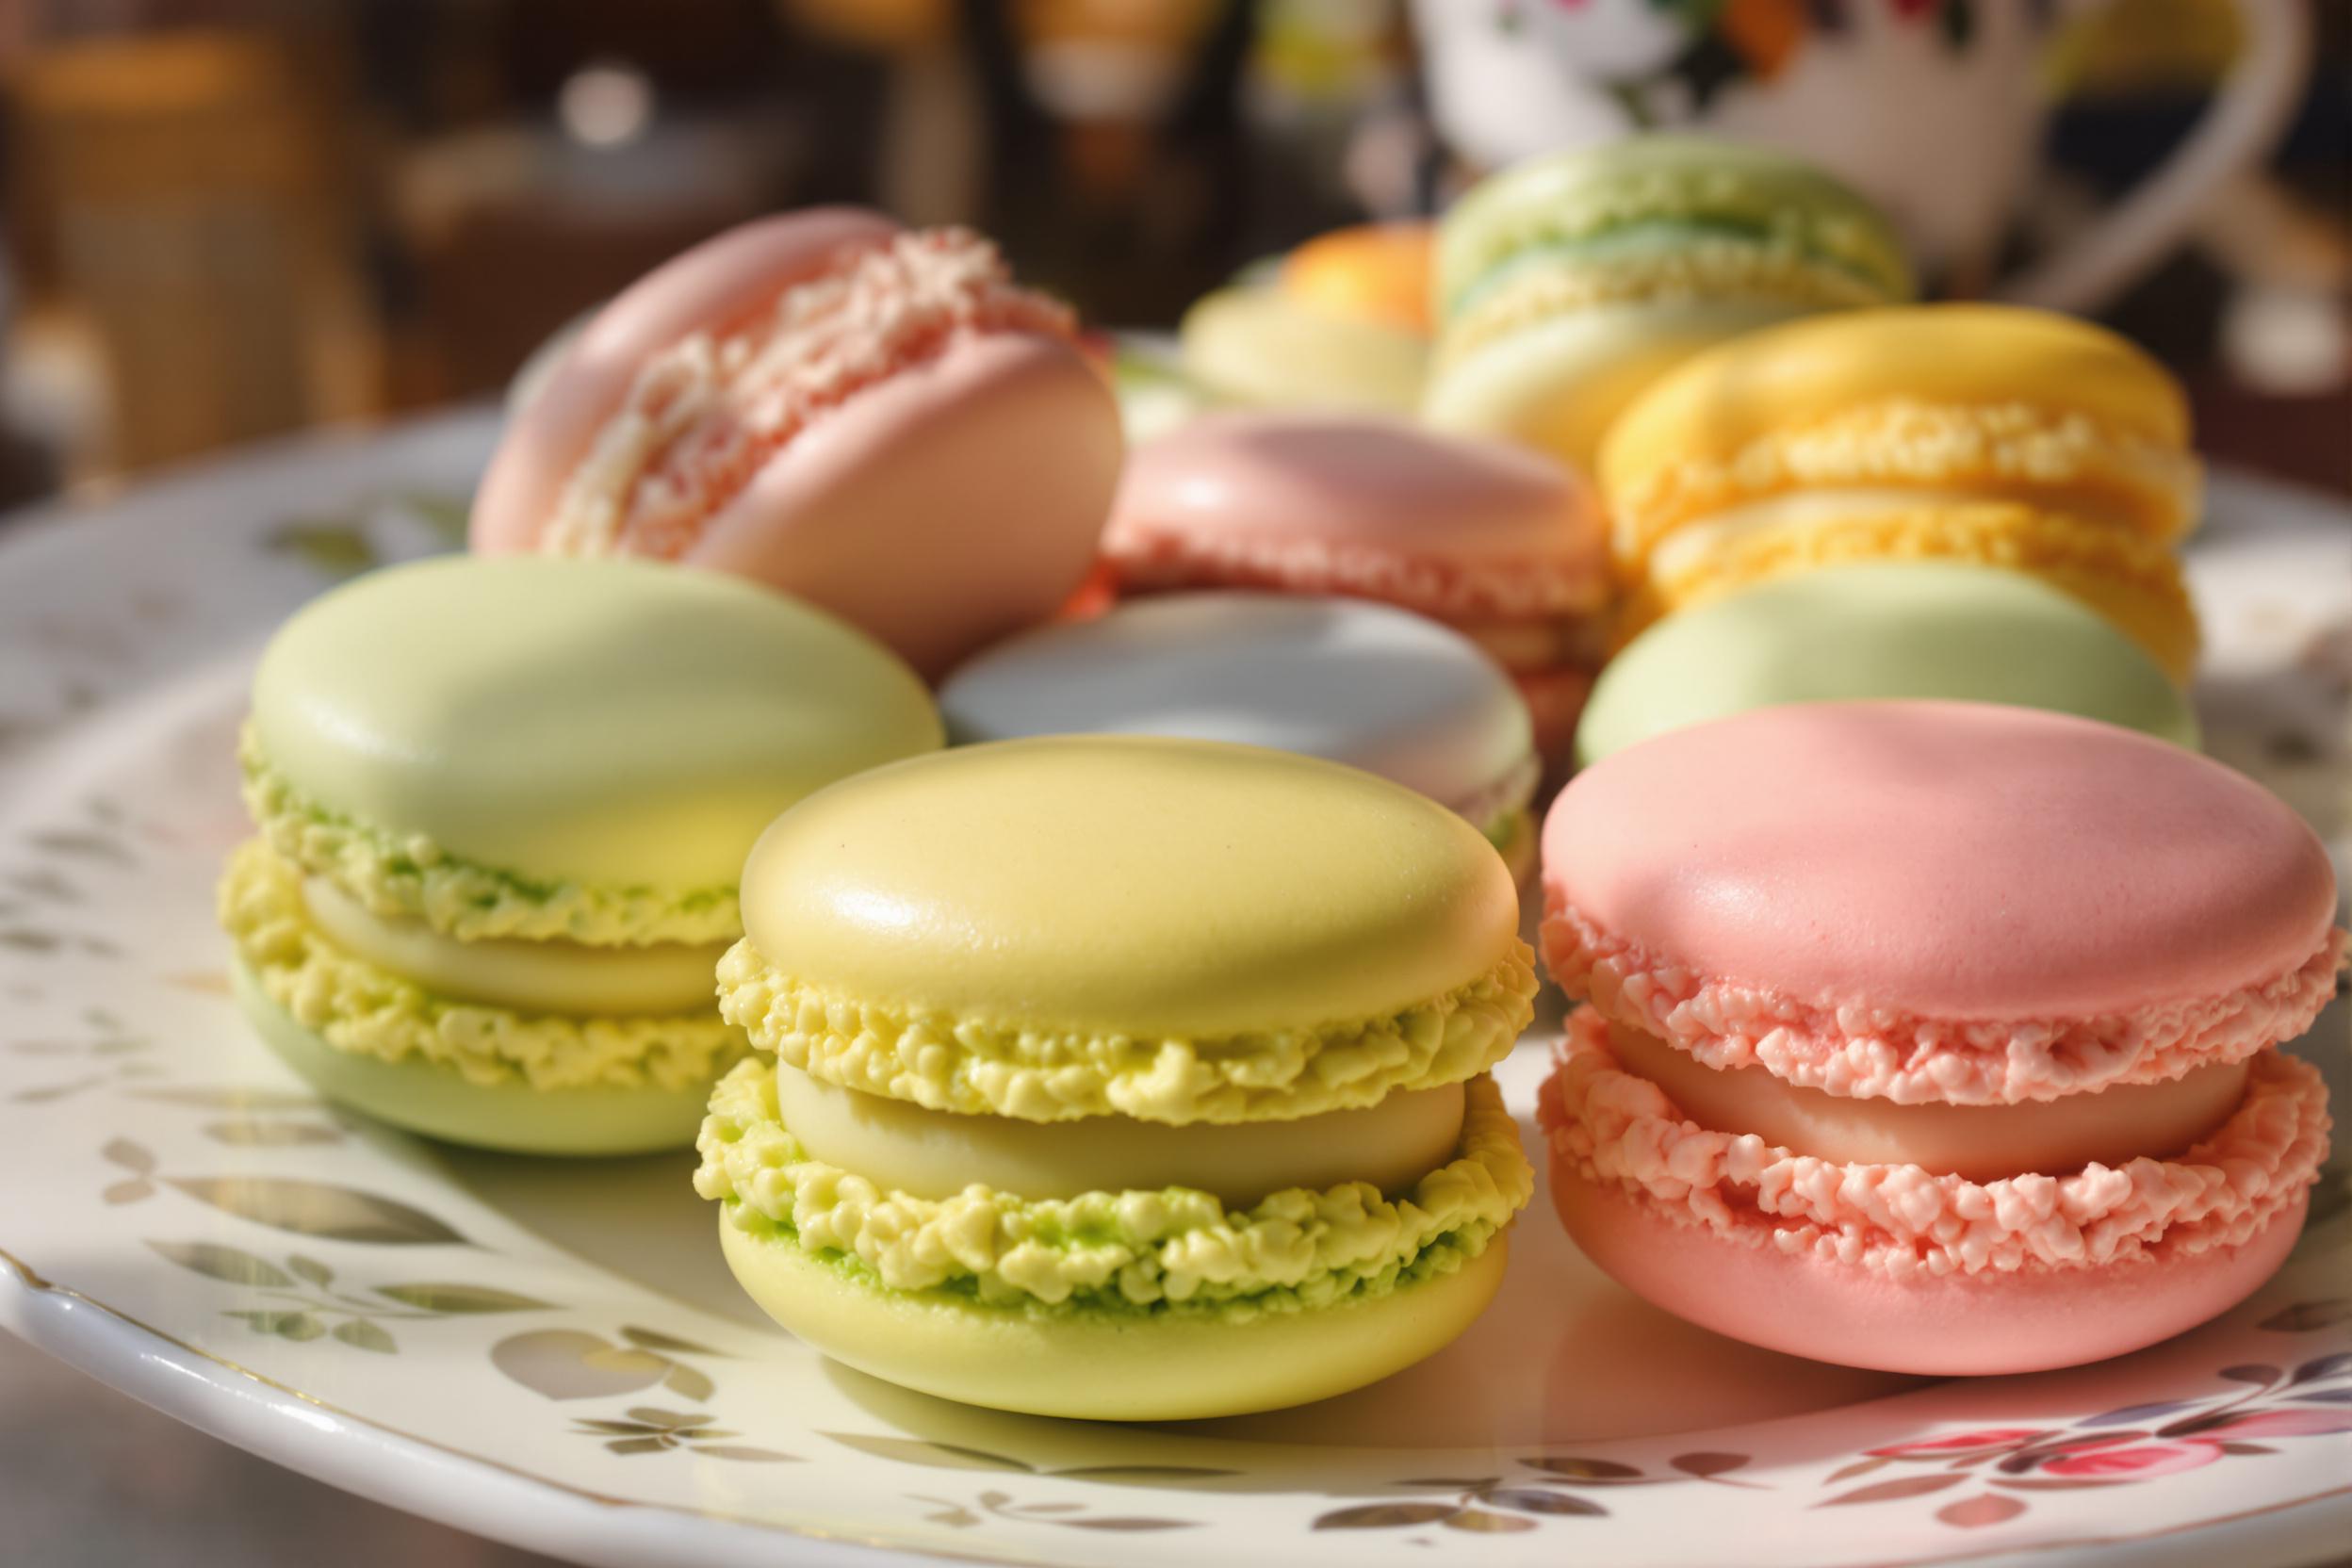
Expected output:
(394, 874)
(358, 1007)
(1826, 225)
(1706, 266)
(949, 1062)
(1175, 1249)
(1505, 829)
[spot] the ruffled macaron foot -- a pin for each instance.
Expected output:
(1934, 1038)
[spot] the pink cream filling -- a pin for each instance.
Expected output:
(704, 415)
(1866, 1052)
(1615, 1128)
(1149, 558)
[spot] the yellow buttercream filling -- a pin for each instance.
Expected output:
(2011, 450)
(937, 1153)
(551, 976)
(1175, 1247)
(1714, 267)
(2129, 578)
(974, 1065)
(356, 1007)
(407, 874)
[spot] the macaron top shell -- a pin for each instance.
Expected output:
(1129, 887)
(1369, 271)
(1892, 868)
(1271, 484)
(609, 722)
(1883, 629)
(1365, 684)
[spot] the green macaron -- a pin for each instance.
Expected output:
(1567, 283)
(502, 807)
(1882, 629)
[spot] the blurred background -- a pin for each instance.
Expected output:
(222, 221)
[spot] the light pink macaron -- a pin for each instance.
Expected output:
(1936, 1037)
(1500, 543)
(875, 420)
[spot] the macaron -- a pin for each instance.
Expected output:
(1120, 1077)
(1988, 433)
(502, 808)
(1366, 684)
(1567, 283)
(1376, 272)
(1935, 1037)
(877, 420)
(1341, 322)
(1503, 545)
(1887, 628)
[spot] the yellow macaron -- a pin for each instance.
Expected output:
(1983, 434)
(1121, 1077)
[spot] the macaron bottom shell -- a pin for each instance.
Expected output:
(1167, 1366)
(1960, 1325)
(437, 1101)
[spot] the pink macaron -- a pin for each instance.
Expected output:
(1505, 546)
(875, 420)
(1936, 1037)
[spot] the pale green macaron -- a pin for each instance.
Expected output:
(1882, 629)
(503, 806)
(1567, 284)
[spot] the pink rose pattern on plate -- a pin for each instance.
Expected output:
(2139, 1443)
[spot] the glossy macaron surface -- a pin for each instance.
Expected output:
(1945, 860)
(1881, 629)
(1132, 885)
(610, 722)
(1365, 684)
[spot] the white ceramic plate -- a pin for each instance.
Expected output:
(552, 1353)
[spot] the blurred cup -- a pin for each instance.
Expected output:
(1934, 108)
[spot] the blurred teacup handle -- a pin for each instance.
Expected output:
(2238, 127)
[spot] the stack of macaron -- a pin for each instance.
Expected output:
(1503, 545)
(1981, 433)
(1936, 1037)
(502, 807)
(1121, 1077)
(1348, 680)
(1565, 285)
